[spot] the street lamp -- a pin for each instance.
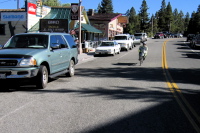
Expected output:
(80, 45)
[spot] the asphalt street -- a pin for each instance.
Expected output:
(113, 94)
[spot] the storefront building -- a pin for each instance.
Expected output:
(14, 21)
(110, 24)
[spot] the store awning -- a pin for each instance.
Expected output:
(88, 28)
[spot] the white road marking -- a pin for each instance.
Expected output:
(14, 111)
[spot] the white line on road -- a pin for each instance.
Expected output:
(12, 112)
(195, 51)
(121, 56)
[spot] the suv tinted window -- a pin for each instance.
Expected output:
(61, 41)
(53, 40)
(70, 41)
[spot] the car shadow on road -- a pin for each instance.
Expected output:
(193, 53)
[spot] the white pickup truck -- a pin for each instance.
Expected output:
(125, 41)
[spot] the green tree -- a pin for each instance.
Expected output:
(174, 23)
(191, 27)
(168, 17)
(143, 17)
(51, 2)
(105, 7)
(197, 21)
(187, 20)
(133, 25)
(162, 16)
(67, 4)
(153, 26)
(180, 23)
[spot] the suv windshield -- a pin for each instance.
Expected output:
(120, 38)
(27, 41)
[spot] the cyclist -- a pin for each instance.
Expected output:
(143, 50)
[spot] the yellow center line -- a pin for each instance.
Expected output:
(176, 90)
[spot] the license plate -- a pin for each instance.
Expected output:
(2, 76)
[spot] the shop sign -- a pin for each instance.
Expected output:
(123, 19)
(13, 16)
(35, 8)
(32, 8)
(54, 25)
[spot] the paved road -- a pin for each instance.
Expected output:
(113, 95)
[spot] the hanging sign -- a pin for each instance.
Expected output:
(74, 11)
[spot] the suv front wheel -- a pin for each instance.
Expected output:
(42, 77)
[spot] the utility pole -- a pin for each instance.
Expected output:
(80, 44)
(17, 4)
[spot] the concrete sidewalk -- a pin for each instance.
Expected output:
(84, 57)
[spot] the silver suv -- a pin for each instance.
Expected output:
(38, 56)
(141, 36)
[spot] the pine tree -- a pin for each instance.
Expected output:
(191, 26)
(133, 25)
(197, 20)
(180, 24)
(186, 23)
(105, 7)
(168, 17)
(173, 26)
(161, 17)
(143, 17)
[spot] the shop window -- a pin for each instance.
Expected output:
(2, 29)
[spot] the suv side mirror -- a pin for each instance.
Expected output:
(55, 45)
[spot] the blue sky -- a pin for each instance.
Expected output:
(121, 6)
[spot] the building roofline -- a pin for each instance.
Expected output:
(116, 17)
(12, 10)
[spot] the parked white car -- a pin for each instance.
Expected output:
(108, 47)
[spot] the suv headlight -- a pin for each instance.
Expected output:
(28, 62)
